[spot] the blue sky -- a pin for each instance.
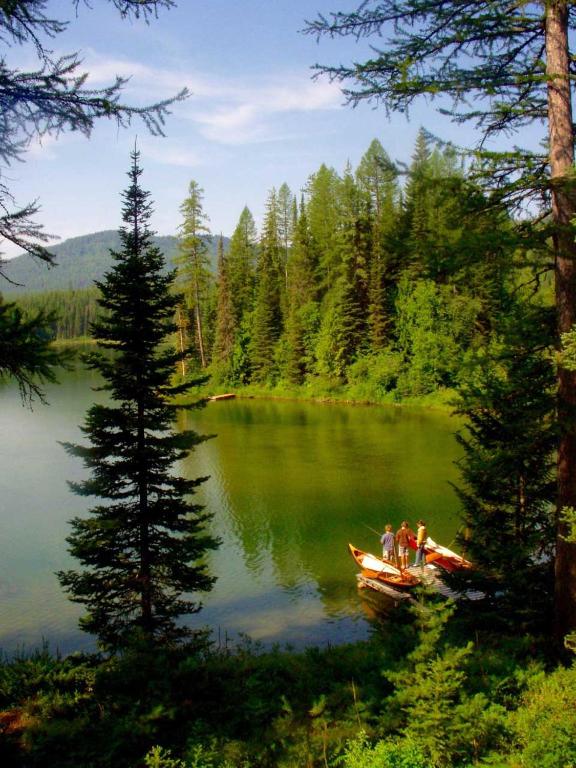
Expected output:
(255, 117)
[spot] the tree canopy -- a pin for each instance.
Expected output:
(502, 66)
(55, 98)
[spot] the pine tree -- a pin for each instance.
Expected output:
(302, 305)
(141, 546)
(194, 275)
(503, 65)
(448, 723)
(53, 97)
(507, 467)
(267, 320)
(343, 332)
(376, 176)
(322, 209)
(285, 218)
(241, 261)
(225, 322)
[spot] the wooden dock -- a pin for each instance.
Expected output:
(430, 575)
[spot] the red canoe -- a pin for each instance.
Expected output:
(436, 554)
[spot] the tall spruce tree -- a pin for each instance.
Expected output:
(508, 467)
(141, 546)
(504, 65)
(241, 261)
(343, 332)
(193, 265)
(225, 323)
(376, 176)
(302, 305)
(267, 319)
(285, 223)
(322, 210)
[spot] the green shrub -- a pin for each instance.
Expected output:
(393, 753)
(545, 723)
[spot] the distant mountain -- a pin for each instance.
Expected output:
(80, 261)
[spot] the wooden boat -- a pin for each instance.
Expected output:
(442, 556)
(376, 568)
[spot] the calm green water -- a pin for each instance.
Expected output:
(290, 485)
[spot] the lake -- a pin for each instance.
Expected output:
(290, 485)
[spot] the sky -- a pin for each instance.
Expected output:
(255, 117)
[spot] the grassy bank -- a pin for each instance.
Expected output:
(325, 392)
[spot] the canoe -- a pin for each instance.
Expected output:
(442, 556)
(227, 396)
(376, 568)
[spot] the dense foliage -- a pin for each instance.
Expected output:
(405, 699)
(364, 286)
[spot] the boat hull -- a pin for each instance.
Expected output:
(376, 568)
(436, 554)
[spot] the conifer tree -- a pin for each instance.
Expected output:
(26, 352)
(508, 467)
(285, 216)
(302, 305)
(342, 335)
(503, 65)
(225, 323)
(323, 215)
(451, 725)
(376, 176)
(241, 261)
(267, 320)
(194, 275)
(140, 548)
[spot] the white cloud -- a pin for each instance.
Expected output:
(145, 81)
(169, 152)
(250, 113)
(43, 147)
(225, 110)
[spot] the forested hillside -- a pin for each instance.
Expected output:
(79, 262)
(372, 281)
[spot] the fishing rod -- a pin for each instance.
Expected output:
(379, 536)
(371, 529)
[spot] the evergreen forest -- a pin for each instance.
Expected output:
(374, 284)
(449, 282)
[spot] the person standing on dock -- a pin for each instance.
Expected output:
(403, 537)
(421, 536)
(387, 541)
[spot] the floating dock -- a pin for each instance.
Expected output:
(431, 577)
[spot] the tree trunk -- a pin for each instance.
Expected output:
(145, 575)
(199, 326)
(181, 344)
(561, 135)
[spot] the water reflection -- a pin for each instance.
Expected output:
(290, 484)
